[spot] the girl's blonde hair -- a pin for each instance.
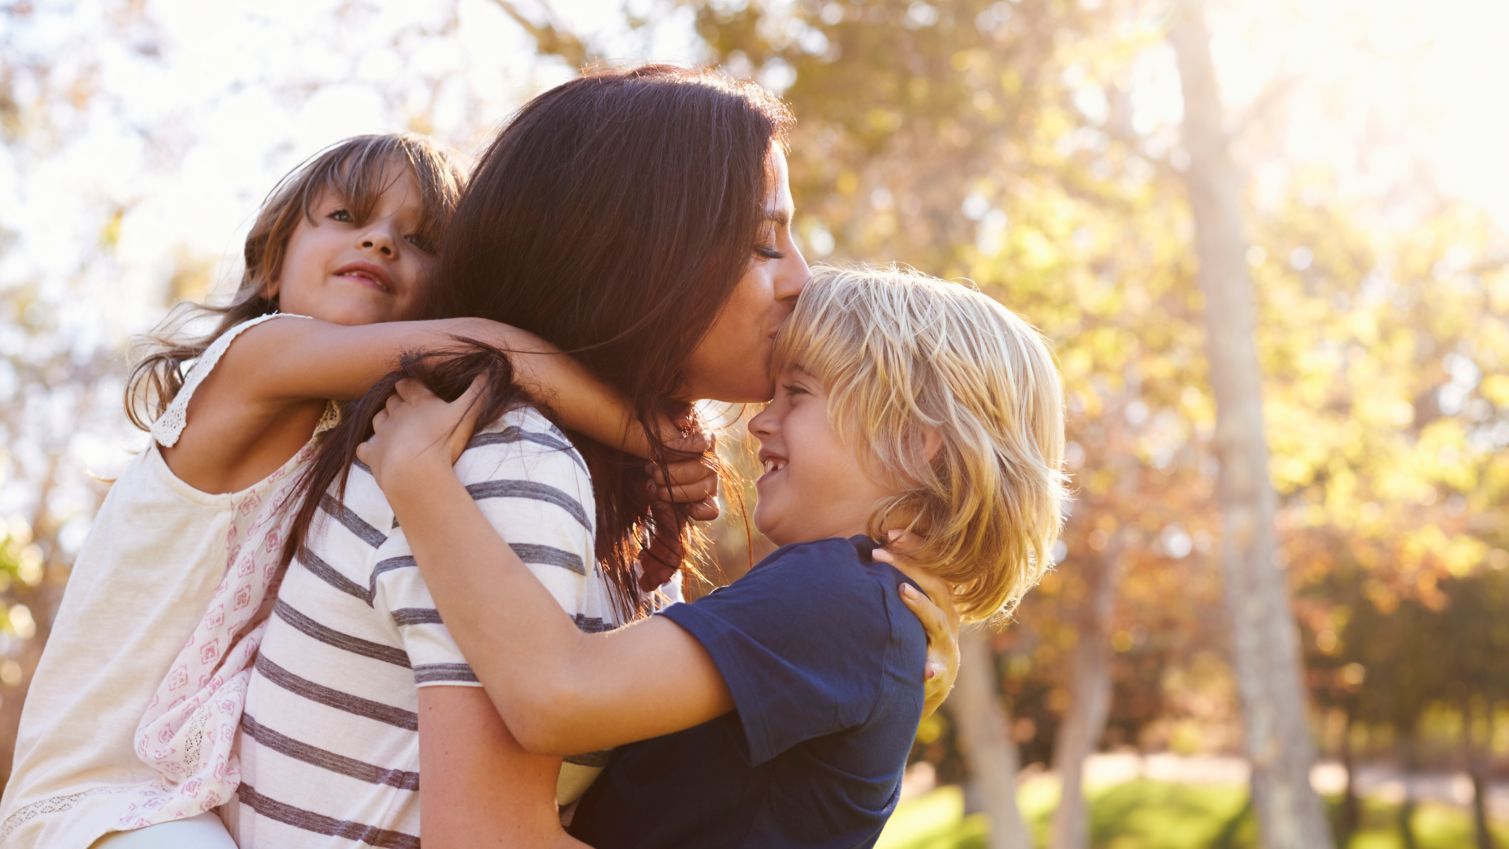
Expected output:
(957, 401)
(352, 170)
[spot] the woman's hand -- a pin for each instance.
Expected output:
(417, 434)
(939, 617)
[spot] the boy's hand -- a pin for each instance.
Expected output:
(936, 611)
(417, 433)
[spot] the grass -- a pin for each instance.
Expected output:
(1146, 814)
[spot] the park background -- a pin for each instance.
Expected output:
(1271, 585)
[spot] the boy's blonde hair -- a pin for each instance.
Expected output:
(957, 401)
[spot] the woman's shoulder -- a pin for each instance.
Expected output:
(523, 452)
(529, 432)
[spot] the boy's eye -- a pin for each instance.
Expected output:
(343, 215)
(795, 389)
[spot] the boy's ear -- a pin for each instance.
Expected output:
(932, 443)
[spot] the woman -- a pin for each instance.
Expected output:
(641, 221)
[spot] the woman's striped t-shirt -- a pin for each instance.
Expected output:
(329, 742)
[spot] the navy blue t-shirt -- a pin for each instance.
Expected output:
(824, 664)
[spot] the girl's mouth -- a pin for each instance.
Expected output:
(368, 274)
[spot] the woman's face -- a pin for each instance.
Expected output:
(732, 362)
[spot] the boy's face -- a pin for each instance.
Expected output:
(814, 485)
(347, 272)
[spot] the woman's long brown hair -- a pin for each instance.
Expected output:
(613, 216)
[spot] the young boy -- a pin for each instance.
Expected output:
(777, 711)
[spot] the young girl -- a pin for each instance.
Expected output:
(777, 711)
(154, 630)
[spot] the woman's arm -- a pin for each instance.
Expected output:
(936, 612)
(559, 691)
(480, 787)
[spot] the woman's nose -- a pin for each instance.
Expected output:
(793, 276)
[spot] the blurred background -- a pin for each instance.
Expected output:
(1267, 239)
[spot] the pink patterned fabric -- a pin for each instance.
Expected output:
(189, 729)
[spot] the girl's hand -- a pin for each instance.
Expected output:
(659, 560)
(939, 617)
(689, 481)
(417, 433)
(685, 490)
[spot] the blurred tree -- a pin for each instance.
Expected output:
(1029, 146)
(1265, 649)
(57, 388)
(985, 741)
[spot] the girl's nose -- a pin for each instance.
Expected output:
(379, 239)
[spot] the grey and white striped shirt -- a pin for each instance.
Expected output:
(329, 742)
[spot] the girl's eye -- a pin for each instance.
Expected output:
(342, 215)
(420, 242)
(794, 389)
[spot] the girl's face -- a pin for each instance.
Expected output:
(339, 270)
(732, 362)
(815, 485)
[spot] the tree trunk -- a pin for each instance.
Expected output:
(985, 742)
(1410, 756)
(1351, 810)
(1477, 770)
(1265, 648)
(1089, 701)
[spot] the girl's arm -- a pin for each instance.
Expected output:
(283, 362)
(560, 691)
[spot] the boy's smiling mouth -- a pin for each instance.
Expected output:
(771, 462)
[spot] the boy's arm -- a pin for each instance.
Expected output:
(558, 690)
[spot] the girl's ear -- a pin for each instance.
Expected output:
(270, 295)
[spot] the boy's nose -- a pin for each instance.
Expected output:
(760, 424)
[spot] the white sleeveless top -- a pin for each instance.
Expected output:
(141, 583)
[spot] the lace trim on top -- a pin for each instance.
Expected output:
(169, 426)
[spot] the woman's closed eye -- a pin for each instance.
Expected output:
(769, 252)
